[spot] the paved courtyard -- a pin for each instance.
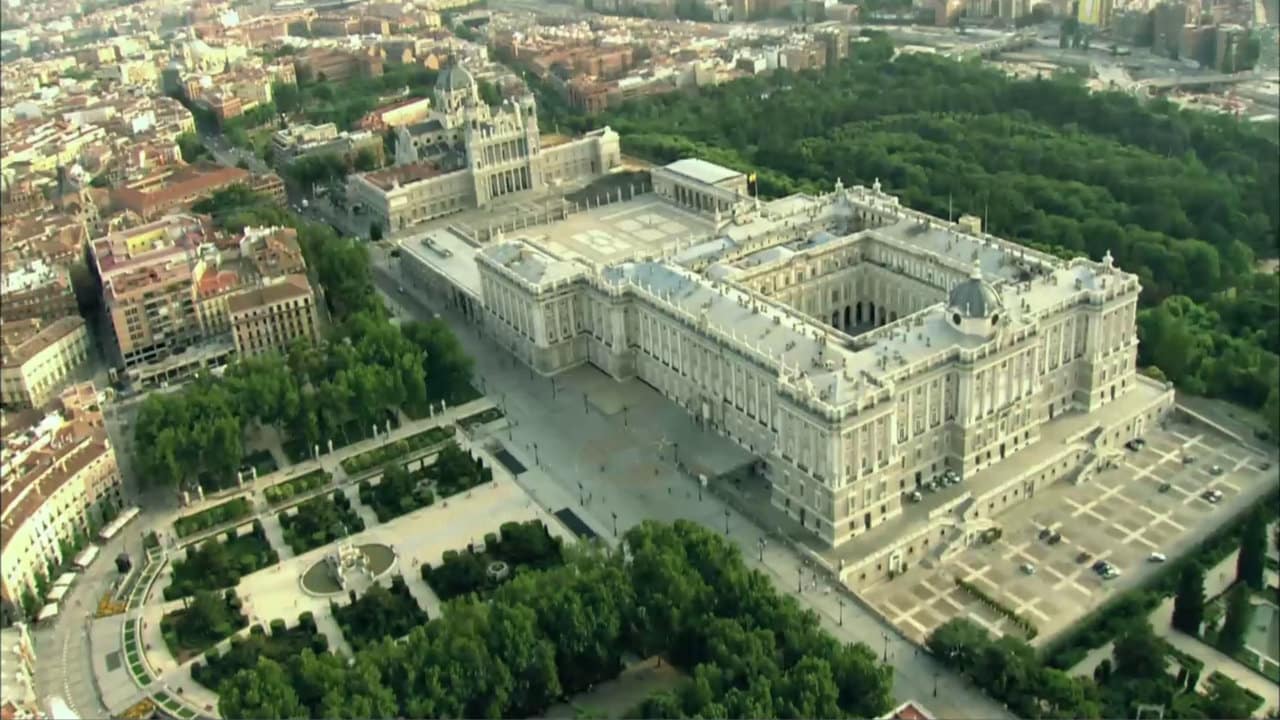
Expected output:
(1121, 516)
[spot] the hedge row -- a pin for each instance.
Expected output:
(1019, 621)
(393, 451)
(234, 509)
(287, 490)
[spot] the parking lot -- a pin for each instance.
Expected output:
(1122, 516)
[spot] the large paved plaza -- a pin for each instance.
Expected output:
(1121, 516)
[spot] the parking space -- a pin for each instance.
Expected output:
(1148, 502)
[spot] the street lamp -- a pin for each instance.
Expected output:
(553, 388)
(841, 600)
(675, 453)
(581, 497)
(615, 523)
(624, 417)
(726, 522)
(886, 646)
(761, 543)
(585, 411)
(800, 579)
(536, 461)
(935, 683)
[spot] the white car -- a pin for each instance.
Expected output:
(1028, 569)
(1157, 557)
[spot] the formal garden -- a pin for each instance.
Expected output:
(133, 652)
(281, 645)
(379, 613)
(221, 514)
(220, 562)
(456, 470)
(680, 591)
(207, 619)
(320, 521)
(515, 547)
(397, 492)
(283, 492)
(397, 450)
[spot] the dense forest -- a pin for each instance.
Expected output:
(1187, 200)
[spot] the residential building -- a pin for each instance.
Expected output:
(305, 139)
(859, 349)
(269, 318)
(178, 187)
(503, 152)
(38, 289)
(37, 359)
(1168, 20)
(336, 65)
(273, 251)
(18, 698)
(406, 112)
(59, 471)
(148, 277)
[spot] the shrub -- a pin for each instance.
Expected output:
(226, 512)
(1018, 621)
(277, 627)
(257, 630)
(307, 620)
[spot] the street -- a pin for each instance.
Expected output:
(542, 411)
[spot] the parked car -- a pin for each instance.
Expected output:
(1188, 459)
(1045, 533)
(1165, 487)
(1156, 557)
(1213, 497)
(1133, 446)
(1028, 569)
(1215, 470)
(1084, 557)
(915, 496)
(1055, 538)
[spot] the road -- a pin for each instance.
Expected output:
(224, 153)
(540, 415)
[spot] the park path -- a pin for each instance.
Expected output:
(1217, 580)
(422, 592)
(274, 531)
(365, 512)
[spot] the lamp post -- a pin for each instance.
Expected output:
(726, 522)
(935, 683)
(624, 417)
(585, 411)
(841, 622)
(761, 543)
(675, 453)
(615, 523)
(536, 461)
(553, 387)
(800, 579)
(886, 646)
(581, 497)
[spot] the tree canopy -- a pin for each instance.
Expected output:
(680, 590)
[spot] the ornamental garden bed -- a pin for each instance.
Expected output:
(229, 511)
(396, 450)
(320, 521)
(206, 620)
(220, 562)
(481, 418)
(379, 613)
(352, 432)
(289, 489)
(518, 545)
(281, 645)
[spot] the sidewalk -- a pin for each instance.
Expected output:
(563, 447)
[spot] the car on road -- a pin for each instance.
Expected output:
(915, 496)
(1135, 444)
(1028, 569)
(1213, 497)
(401, 288)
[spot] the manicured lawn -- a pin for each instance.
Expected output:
(215, 565)
(519, 545)
(287, 490)
(379, 613)
(394, 451)
(319, 521)
(234, 509)
(280, 645)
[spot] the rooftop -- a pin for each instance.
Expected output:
(393, 177)
(290, 287)
(448, 254)
(703, 171)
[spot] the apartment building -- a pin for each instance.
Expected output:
(39, 289)
(37, 359)
(17, 683)
(273, 251)
(59, 470)
(148, 277)
(305, 139)
(269, 318)
(169, 189)
(336, 65)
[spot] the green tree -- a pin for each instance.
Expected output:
(366, 160)
(1239, 616)
(1188, 603)
(263, 692)
(1251, 561)
(375, 231)
(1139, 653)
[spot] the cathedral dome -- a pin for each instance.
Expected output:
(455, 79)
(975, 298)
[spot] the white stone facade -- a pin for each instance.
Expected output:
(861, 349)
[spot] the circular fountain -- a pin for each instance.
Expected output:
(348, 567)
